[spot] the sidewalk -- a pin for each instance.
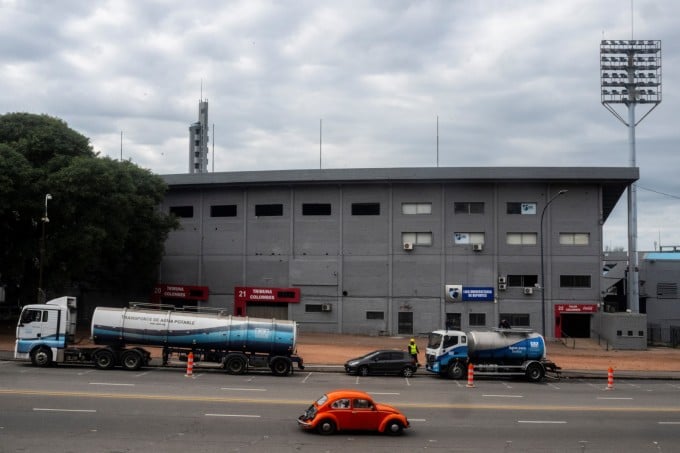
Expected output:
(328, 352)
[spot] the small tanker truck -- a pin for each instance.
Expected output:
(500, 352)
(46, 332)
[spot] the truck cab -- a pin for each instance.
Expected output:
(446, 351)
(44, 330)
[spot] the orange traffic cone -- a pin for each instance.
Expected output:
(610, 379)
(471, 379)
(190, 365)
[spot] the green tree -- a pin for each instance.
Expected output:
(104, 230)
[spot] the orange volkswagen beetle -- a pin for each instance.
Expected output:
(348, 410)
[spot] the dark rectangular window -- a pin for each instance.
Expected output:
(478, 319)
(268, 210)
(223, 210)
(522, 280)
(316, 209)
(185, 212)
(365, 208)
(468, 207)
(375, 315)
(516, 319)
(514, 208)
(313, 308)
(575, 281)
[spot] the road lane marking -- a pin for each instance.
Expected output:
(236, 389)
(674, 409)
(83, 373)
(142, 374)
(233, 415)
(112, 383)
(669, 423)
(46, 409)
(553, 386)
(504, 396)
(304, 381)
(417, 419)
(384, 393)
(547, 422)
(613, 398)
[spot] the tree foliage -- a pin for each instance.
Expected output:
(104, 229)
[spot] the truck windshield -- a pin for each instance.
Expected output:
(434, 340)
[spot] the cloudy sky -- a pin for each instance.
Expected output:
(510, 82)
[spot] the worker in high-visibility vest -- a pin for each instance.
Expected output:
(413, 350)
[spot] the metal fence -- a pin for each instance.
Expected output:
(663, 336)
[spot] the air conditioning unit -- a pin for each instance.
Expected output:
(326, 307)
(502, 280)
(528, 290)
(408, 245)
(502, 286)
(477, 247)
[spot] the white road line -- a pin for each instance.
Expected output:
(83, 373)
(44, 409)
(142, 374)
(112, 383)
(235, 389)
(553, 386)
(547, 422)
(233, 415)
(613, 398)
(504, 396)
(384, 393)
(668, 423)
(306, 377)
(417, 419)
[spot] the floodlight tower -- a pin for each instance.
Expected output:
(630, 74)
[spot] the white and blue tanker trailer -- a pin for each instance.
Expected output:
(499, 352)
(46, 332)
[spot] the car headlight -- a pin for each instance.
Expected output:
(353, 363)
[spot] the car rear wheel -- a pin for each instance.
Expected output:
(535, 372)
(363, 371)
(407, 372)
(394, 428)
(326, 427)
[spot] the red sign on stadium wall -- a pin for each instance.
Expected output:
(252, 294)
(575, 308)
(184, 292)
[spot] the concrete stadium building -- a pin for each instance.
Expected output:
(395, 250)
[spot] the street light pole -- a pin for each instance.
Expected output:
(45, 219)
(561, 192)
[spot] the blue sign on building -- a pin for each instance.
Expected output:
(477, 294)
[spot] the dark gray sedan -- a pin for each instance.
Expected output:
(388, 361)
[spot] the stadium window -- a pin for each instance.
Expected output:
(417, 238)
(313, 308)
(316, 209)
(468, 207)
(262, 210)
(516, 319)
(375, 315)
(574, 238)
(365, 208)
(468, 238)
(522, 281)
(521, 238)
(416, 208)
(522, 208)
(574, 281)
(477, 319)
(223, 210)
(185, 212)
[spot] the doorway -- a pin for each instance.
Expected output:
(405, 323)
(575, 325)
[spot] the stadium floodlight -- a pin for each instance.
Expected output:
(630, 74)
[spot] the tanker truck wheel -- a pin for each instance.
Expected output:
(456, 371)
(104, 359)
(235, 364)
(280, 366)
(535, 372)
(131, 360)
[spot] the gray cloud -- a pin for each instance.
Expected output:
(514, 83)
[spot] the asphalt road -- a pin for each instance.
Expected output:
(80, 409)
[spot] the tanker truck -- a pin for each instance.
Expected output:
(46, 334)
(499, 352)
